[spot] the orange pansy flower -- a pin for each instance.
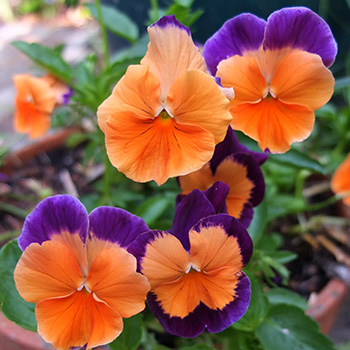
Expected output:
(166, 115)
(340, 182)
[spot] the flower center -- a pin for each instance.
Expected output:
(84, 288)
(269, 94)
(192, 267)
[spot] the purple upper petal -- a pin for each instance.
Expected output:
(170, 21)
(233, 228)
(202, 316)
(239, 34)
(188, 212)
(230, 145)
(116, 225)
(300, 28)
(217, 195)
(52, 216)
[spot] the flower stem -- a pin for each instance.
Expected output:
(107, 181)
(103, 32)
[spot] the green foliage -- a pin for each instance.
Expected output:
(287, 327)
(285, 296)
(12, 305)
(131, 336)
(48, 58)
(117, 22)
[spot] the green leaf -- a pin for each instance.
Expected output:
(12, 305)
(152, 209)
(238, 340)
(259, 222)
(47, 58)
(299, 160)
(198, 347)
(257, 309)
(282, 256)
(130, 338)
(286, 296)
(287, 327)
(117, 22)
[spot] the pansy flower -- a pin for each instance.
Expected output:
(195, 269)
(36, 98)
(340, 182)
(237, 167)
(278, 70)
(77, 270)
(166, 115)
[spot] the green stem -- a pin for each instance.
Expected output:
(107, 181)
(103, 32)
(11, 209)
(155, 9)
(318, 206)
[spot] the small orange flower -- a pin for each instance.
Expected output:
(166, 115)
(35, 101)
(340, 182)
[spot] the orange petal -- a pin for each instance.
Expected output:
(234, 174)
(244, 75)
(77, 320)
(301, 78)
(273, 124)
(196, 99)
(340, 182)
(136, 93)
(201, 179)
(49, 270)
(170, 53)
(146, 150)
(165, 260)
(113, 279)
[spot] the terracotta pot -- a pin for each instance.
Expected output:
(324, 306)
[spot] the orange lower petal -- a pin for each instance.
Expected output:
(340, 182)
(196, 99)
(77, 320)
(156, 149)
(301, 78)
(273, 124)
(49, 270)
(114, 280)
(201, 179)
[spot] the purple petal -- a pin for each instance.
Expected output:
(217, 196)
(246, 215)
(202, 317)
(238, 35)
(139, 245)
(188, 212)
(52, 216)
(233, 228)
(66, 97)
(116, 225)
(230, 145)
(300, 28)
(170, 21)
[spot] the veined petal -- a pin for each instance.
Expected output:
(45, 271)
(171, 52)
(300, 28)
(164, 258)
(136, 93)
(340, 182)
(54, 216)
(201, 179)
(245, 76)
(273, 124)
(157, 149)
(77, 320)
(109, 225)
(196, 99)
(238, 35)
(301, 78)
(113, 280)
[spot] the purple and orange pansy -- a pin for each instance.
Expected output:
(237, 167)
(279, 72)
(166, 115)
(195, 269)
(36, 99)
(76, 269)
